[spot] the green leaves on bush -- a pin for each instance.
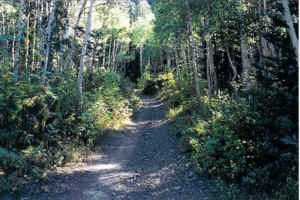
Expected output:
(38, 123)
(245, 142)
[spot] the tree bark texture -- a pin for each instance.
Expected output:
(50, 28)
(83, 52)
(290, 23)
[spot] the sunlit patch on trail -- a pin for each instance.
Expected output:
(108, 166)
(156, 105)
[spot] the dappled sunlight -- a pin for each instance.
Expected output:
(99, 167)
(153, 105)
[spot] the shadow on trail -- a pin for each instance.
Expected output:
(139, 162)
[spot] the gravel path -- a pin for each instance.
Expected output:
(141, 162)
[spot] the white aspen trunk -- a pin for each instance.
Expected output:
(72, 50)
(41, 35)
(184, 58)
(211, 73)
(244, 56)
(245, 59)
(27, 43)
(4, 31)
(113, 55)
(18, 40)
(148, 63)
(168, 60)
(83, 52)
(118, 49)
(49, 36)
(231, 65)
(190, 62)
(109, 54)
(13, 46)
(188, 56)
(114, 52)
(37, 4)
(177, 63)
(192, 44)
(120, 61)
(290, 23)
(65, 36)
(264, 43)
(141, 60)
(104, 52)
(195, 68)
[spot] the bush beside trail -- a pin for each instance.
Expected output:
(42, 127)
(251, 148)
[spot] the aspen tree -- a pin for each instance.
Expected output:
(73, 43)
(27, 43)
(244, 53)
(141, 59)
(83, 52)
(192, 44)
(290, 23)
(64, 37)
(36, 18)
(50, 28)
(104, 52)
(231, 65)
(211, 72)
(18, 39)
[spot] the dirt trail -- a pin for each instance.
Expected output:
(140, 162)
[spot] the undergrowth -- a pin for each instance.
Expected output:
(249, 148)
(42, 127)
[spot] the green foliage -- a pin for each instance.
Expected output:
(146, 76)
(251, 147)
(41, 126)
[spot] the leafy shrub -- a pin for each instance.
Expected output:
(42, 127)
(249, 143)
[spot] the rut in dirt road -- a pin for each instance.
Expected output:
(141, 162)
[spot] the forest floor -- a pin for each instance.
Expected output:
(140, 162)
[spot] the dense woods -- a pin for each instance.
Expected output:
(62, 83)
(227, 69)
(229, 74)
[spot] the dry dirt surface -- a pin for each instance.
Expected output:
(140, 162)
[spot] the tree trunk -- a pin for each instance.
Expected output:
(27, 43)
(72, 50)
(211, 72)
(141, 60)
(168, 59)
(192, 44)
(83, 52)
(109, 54)
(177, 63)
(195, 69)
(37, 4)
(291, 29)
(231, 65)
(104, 52)
(50, 28)
(244, 55)
(18, 40)
(13, 49)
(65, 36)
(161, 63)
(113, 53)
